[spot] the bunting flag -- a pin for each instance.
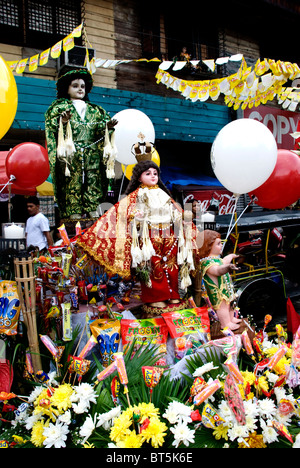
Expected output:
(56, 50)
(19, 66)
(246, 88)
(33, 63)
(44, 57)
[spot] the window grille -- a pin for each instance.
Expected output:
(37, 23)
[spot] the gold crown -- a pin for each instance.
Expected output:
(146, 155)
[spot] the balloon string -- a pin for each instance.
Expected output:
(230, 228)
(231, 221)
(120, 191)
(8, 183)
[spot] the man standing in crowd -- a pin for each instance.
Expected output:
(37, 226)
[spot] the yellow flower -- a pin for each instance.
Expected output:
(47, 411)
(249, 377)
(156, 432)
(120, 428)
(125, 437)
(250, 396)
(282, 365)
(131, 440)
(254, 441)
(262, 384)
(61, 397)
(43, 395)
(88, 445)
(221, 432)
(148, 409)
(19, 440)
(37, 437)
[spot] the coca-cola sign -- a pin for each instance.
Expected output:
(225, 198)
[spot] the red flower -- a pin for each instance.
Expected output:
(8, 408)
(6, 396)
(145, 424)
(196, 416)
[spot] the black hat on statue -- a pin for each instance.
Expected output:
(65, 80)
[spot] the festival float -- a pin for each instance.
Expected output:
(89, 359)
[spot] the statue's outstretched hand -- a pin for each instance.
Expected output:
(66, 115)
(111, 124)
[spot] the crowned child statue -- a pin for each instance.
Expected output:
(145, 234)
(76, 133)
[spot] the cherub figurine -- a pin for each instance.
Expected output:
(215, 273)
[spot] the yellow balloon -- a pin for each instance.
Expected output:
(127, 170)
(8, 97)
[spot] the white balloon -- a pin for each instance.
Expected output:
(133, 126)
(243, 155)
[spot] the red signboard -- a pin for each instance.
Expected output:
(204, 197)
(281, 123)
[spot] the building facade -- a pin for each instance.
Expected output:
(130, 39)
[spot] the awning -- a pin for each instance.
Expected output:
(181, 176)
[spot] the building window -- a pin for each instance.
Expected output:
(37, 23)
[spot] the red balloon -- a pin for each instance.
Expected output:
(4, 180)
(29, 163)
(282, 188)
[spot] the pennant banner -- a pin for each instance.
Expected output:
(42, 59)
(246, 88)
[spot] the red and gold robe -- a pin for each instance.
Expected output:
(109, 242)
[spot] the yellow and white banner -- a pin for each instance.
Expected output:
(246, 88)
(19, 66)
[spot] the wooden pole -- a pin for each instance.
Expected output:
(25, 279)
(197, 288)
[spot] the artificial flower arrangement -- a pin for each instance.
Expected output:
(236, 394)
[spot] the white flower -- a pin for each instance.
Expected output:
(56, 435)
(280, 394)
(112, 445)
(171, 415)
(52, 381)
(84, 392)
(297, 442)
(106, 419)
(251, 423)
(266, 408)
(283, 419)
(251, 408)
(268, 432)
(81, 407)
(35, 393)
(238, 432)
(226, 413)
(87, 428)
(65, 418)
(272, 378)
(182, 433)
(178, 412)
(31, 420)
(203, 369)
(266, 344)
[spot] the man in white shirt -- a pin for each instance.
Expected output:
(37, 226)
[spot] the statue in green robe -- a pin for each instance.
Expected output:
(75, 134)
